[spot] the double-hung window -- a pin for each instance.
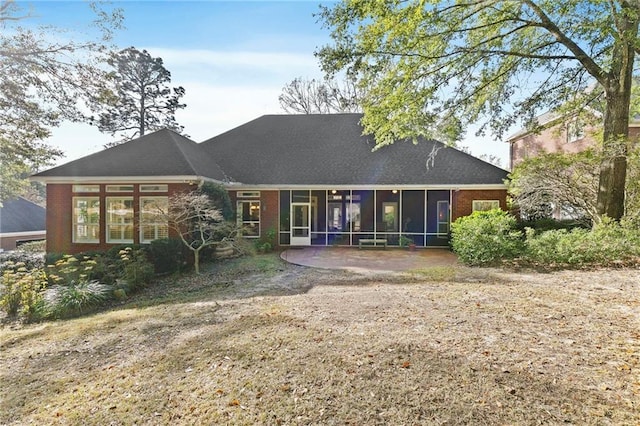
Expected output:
(86, 219)
(119, 219)
(153, 218)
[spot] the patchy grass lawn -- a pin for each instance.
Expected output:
(261, 342)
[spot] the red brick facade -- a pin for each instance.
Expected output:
(554, 140)
(60, 215)
(60, 212)
(462, 201)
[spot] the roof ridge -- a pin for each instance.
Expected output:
(173, 134)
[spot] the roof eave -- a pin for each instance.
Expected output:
(121, 179)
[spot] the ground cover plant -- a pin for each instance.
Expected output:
(257, 341)
(33, 288)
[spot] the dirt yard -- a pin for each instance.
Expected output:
(298, 346)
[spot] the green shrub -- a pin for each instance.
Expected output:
(21, 292)
(547, 224)
(136, 269)
(71, 269)
(28, 260)
(167, 255)
(486, 237)
(607, 244)
(38, 246)
(76, 298)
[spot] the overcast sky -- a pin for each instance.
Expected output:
(232, 58)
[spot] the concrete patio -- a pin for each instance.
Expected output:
(369, 259)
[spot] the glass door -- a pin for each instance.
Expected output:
(300, 224)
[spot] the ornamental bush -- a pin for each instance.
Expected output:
(608, 243)
(21, 292)
(486, 237)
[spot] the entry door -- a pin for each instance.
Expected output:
(300, 224)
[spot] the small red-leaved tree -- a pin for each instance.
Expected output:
(196, 220)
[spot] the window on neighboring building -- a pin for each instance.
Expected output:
(575, 131)
(120, 219)
(86, 220)
(484, 205)
(249, 218)
(152, 225)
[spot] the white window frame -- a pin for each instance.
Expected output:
(575, 131)
(86, 188)
(242, 223)
(156, 224)
(93, 220)
(248, 194)
(481, 205)
(154, 188)
(122, 225)
(443, 206)
(119, 188)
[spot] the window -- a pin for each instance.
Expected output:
(249, 218)
(248, 194)
(119, 188)
(86, 188)
(390, 216)
(120, 220)
(443, 217)
(575, 131)
(86, 220)
(154, 188)
(484, 205)
(152, 224)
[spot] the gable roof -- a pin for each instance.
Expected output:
(21, 215)
(316, 149)
(161, 153)
(330, 149)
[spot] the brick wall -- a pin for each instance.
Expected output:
(462, 201)
(60, 216)
(552, 140)
(269, 218)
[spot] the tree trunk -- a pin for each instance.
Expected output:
(613, 169)
(196, 261)
(617, 88)
(142, 113)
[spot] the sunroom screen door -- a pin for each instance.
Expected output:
(300, 224)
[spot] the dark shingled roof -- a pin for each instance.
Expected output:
(162, 153)
(329, 149)
(316, 149)
(20, 215)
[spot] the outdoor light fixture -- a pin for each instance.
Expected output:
(395, 191)
(333, 191)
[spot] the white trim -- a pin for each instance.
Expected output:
(22, 234)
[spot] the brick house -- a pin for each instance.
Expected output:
(307, 179)
(558, 135)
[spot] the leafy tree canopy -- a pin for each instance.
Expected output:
(433, 67)
(45, 74)
(136, 98)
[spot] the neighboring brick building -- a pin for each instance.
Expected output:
(558, 135)
(308, 179)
